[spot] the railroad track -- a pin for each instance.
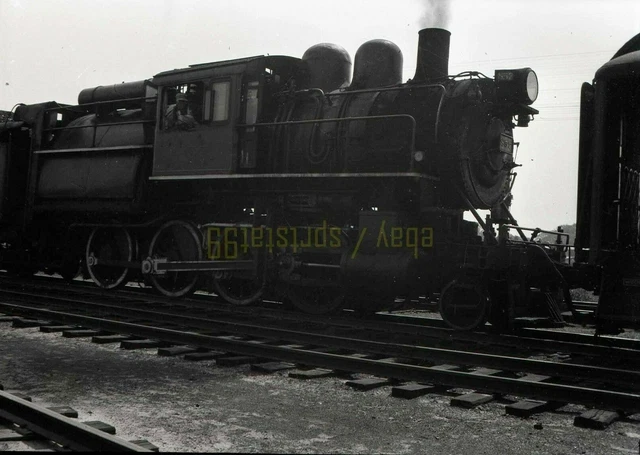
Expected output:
(377, 346)
(21, 420)
(425, 330)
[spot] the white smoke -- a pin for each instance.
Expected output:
(436, 13)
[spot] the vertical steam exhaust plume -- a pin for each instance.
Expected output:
(436, 13)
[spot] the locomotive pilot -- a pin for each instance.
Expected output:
(179, 115)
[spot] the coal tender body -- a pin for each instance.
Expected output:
(283, 177)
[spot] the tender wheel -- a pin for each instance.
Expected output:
(464, 304)
(109, 244)
(176, 241)
(316, 300)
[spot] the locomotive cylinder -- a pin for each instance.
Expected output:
(433, 55)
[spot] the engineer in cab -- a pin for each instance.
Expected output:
(179, 115)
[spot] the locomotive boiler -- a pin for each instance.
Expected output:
(273, 175)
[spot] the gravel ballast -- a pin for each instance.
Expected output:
(198, 406)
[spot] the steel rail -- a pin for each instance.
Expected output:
(427, 334)
(537, 339)
(60, 429)
(541, 334)
(540, 339)
(602, 399)
(423, 353)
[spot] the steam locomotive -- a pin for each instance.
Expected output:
(287, 178)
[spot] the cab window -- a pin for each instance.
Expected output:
(221, 95)
(204, 103)
(183, 106)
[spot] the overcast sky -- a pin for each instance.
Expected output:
(52, 49)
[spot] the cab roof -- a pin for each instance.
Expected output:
(269, 60)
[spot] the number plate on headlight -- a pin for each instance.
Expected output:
(506, 144)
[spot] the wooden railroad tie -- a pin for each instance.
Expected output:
(272, 367)
(199, 356)
(471, 400)
(527, 408)
(235, 360)
(176, 350)
(410, 391)
(316, 373)
(10, 433)
(145, 444)
(22, 323)
(596, 419)
(65, 411)
(143, 344)
(56, 328)
(81, 333)
(98, 425)
(368, 383)
(105, 339)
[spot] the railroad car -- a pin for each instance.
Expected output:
(288, 177)
(607, 230)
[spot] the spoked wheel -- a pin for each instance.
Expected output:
(109, 244)
(238, 290)
(318, 300)
(176, 241)
(464, 304)
(239, 287)
(313, 283)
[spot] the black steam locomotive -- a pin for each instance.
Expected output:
(273, 175)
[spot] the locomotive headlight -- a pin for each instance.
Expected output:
(517, 86)
(532, 86)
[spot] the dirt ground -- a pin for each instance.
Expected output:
(198, 406)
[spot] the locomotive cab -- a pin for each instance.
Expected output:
(211, 132)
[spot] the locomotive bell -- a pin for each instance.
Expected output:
(433, 55)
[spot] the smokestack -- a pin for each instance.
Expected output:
(433, 55)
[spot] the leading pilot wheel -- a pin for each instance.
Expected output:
(175, 241)
(109, 244)
(464, 304)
